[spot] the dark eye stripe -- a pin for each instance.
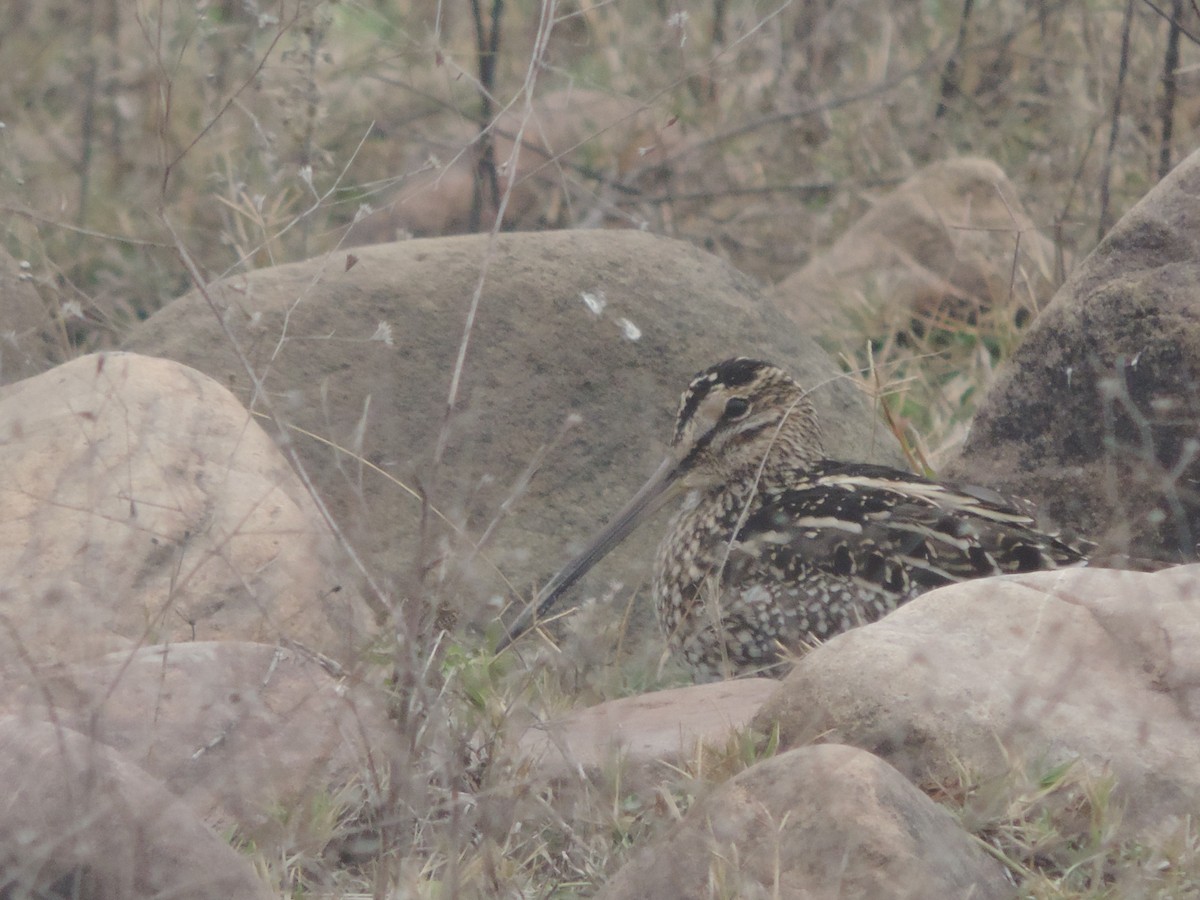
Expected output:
(730, 373)
(705, 439)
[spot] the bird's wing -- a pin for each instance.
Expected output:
(893, 530)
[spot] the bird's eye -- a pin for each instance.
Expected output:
(736, 407)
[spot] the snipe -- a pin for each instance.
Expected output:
(775, 545)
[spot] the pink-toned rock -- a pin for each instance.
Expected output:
(79, 820)
(237, 730)
(819, 823)
(951, 241)
(1096, 667)
(576, 146)
(141, 504)
(642, 731)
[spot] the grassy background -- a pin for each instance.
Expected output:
(251, 134)
(260, 131)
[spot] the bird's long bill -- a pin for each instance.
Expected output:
(648, 500)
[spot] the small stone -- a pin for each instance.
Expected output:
(819, 823)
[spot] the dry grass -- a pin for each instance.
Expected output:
(261, 134)
(1061, 834)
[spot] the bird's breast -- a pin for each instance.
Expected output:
(696, 548)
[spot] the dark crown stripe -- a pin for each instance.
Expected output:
(730, 373)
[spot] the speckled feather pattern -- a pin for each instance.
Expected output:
(776, 547)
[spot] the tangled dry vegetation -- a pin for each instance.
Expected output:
(247, 134)
(260, 133)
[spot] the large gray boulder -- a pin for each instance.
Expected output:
(360, 353)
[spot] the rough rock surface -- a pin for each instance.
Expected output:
(1097, 666)
(1096, 414)
(78, 820)
(141, 504)
(951, 241)
(815, 823)
(237, 730)
(606, 325)
(643, 731)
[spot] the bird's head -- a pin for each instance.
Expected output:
(739, 417)
(738, 420)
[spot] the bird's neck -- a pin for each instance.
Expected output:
(782, 467)
(719, 506)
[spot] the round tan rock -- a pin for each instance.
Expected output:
(819, 823)
(77, 819)
(141, 503)
(1094, 667)
(237, 730)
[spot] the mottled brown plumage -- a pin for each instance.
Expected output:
(776, 546)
